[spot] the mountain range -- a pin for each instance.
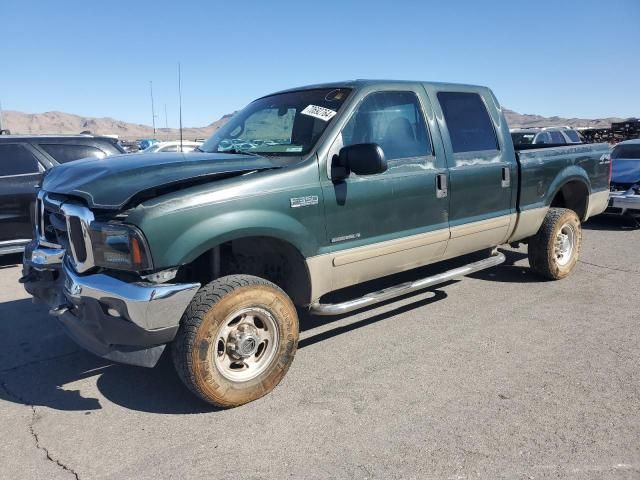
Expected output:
(68, 123)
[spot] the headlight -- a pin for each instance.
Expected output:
(119, 246)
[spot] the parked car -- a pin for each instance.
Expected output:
(23, 159)
(340, 184)
(129, 146)
(545, 136)
(625, 180)
(144, 143)
(167, 147)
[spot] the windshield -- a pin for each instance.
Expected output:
(630, 151)
(286, 124)
(520, 138)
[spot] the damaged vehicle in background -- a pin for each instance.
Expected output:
(301, 194)
(624, 198)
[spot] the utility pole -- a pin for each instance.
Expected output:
(153, 111)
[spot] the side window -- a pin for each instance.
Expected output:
(16, 159)
(542, 138)
(573, 136)
(556, 137)
(394, 121)
(63, 153)
(468, 121)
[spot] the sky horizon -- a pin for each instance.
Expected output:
(547, 59)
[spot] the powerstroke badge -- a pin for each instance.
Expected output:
(304, 201)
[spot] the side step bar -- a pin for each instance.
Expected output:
(397, 290)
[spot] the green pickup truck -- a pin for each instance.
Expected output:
(302, 193)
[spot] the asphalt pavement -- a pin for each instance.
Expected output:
(497, 375)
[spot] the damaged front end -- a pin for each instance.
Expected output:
(624, 199)
(114, 314)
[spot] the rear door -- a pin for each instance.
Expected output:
(384, 223)
(20, 171)
(480, 172)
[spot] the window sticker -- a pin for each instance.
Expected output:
(324, 114)
(294, 149)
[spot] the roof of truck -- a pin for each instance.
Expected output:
(359, 83)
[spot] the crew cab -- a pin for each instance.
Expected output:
(302, 193)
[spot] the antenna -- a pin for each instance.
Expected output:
(153, 111)
(180, 103)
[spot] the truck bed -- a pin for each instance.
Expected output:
(539, 167)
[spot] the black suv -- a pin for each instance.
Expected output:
(23, 159)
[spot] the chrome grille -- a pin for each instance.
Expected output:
(60, 223)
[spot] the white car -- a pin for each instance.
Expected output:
(548, 135)
(165, 147)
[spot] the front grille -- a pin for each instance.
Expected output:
(77, 239)
(61, 223)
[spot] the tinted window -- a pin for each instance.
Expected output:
(522, 138)
(16, 159)
(394, 121)
(573, 135)
(63, 153)
(543, 137)
(629, 150)
(468, 121)
(556, 137)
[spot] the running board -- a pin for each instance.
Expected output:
(398, 290)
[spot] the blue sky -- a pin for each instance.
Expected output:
(568, 58)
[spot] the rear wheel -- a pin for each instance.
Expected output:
(555, 249)
(237, 340)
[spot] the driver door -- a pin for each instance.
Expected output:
(385, 223)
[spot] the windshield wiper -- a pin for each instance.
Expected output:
(235, 151)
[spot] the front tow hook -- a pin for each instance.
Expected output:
(59, 310)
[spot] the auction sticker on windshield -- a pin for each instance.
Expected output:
(324, 114)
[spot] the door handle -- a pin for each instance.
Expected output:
(506, 177)
(441, 185)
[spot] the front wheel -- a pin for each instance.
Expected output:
(236, 341)
(554, 250)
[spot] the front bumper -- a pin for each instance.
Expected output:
(624, 203)
(127, 322)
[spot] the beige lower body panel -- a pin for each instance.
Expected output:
(598, 203)
(528, 223)
(475, 236)
(344, 268)
(334, 271)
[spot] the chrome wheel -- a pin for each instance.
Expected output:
(564, 244)
(246, 344)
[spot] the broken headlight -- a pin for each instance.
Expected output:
(119, 246)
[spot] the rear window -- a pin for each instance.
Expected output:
(631, 151)
(573, 136)
(468, 121)
(16, 159)
(63, 153)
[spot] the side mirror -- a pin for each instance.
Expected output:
(361, 159)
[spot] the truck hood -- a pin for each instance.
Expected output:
(113, 182)
(625, 170)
